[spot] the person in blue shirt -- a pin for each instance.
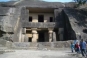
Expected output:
(83, 47)
(72, 47)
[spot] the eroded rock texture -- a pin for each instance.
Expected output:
(77, 19)
(9, 20)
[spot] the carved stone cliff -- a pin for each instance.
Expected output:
(72, 20)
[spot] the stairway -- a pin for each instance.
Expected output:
(3, 48)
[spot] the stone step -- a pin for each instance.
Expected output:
(33, 44)
(3, 48)
(9, 50)
(41, 45)
(1, 45)
(31, 48)
(1, 51)
(6, 51)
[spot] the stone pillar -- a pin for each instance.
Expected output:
(61, 33)
(50, 35)
(34, 36)
(25, 38)
(20, 35)
(54, 36)
(24, 31)
(23, 34)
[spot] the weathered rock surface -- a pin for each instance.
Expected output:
(78, 21)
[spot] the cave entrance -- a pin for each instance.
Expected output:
(43, 36)
(30, 39)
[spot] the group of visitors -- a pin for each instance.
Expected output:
(79, 46)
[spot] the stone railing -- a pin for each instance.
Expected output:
(40, 25)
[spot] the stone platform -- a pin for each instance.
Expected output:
(38, 45)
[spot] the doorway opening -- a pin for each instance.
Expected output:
(30, 18)
(40, 18)
(51, 19)
(41, 37)
(29, 39)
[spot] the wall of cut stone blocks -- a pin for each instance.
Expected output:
(3, 42)
(50, 45)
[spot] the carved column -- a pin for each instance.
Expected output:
(61, 30)
(34, 36)
(54, 36)
(24, 30)
(23, 34)
(25, 38)
(50, 35)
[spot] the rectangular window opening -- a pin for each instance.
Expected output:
(40, 18)
(30, 18)
(51, 19)
(29, 39)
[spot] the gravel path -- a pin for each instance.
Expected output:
(36, 54)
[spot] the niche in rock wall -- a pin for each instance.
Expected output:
(85, 30)
(1, 33)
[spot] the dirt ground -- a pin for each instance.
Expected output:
(38, 54)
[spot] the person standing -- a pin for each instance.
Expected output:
(72, 47)
(75, 41)
(77, 47)
(83, 47)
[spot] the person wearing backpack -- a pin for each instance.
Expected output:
(83, 47)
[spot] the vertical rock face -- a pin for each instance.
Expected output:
(9, 17)
(77, 19)
(10, 21)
